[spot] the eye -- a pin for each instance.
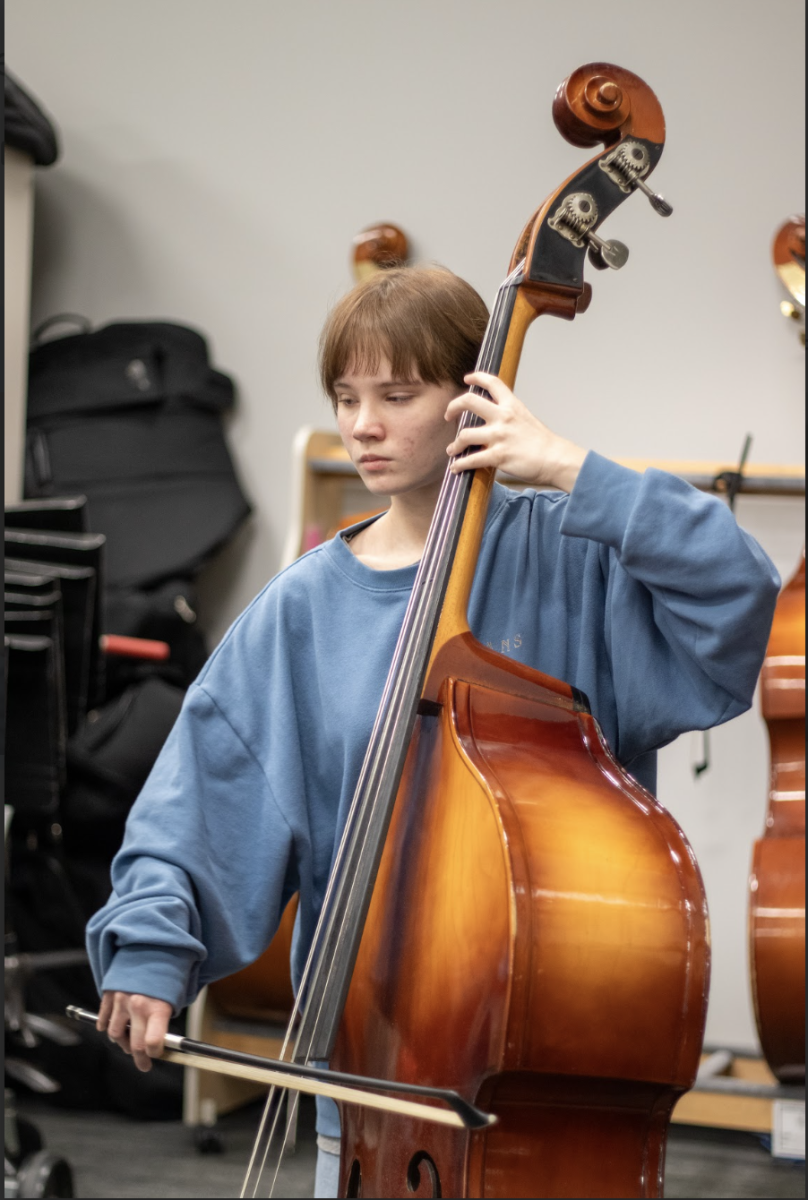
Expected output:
(399, 399)
(345, 400)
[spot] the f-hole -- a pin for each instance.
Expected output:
(421, 1162)
(354, 1187)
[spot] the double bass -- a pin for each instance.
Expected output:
(510, 914)
(777, 881)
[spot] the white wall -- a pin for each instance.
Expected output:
(218, 159)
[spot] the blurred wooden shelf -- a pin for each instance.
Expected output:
(736, 1091)
(758, 478)
(327, 488)
(207, 1096)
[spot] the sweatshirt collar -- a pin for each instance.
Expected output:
(400, 578)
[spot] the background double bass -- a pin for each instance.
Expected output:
(537, 934)
(777, 883)
(378, 247)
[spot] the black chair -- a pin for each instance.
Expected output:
(35, 761)
(64, 554)
(35, 724)
(50, 619)
(67, 514)
(77, 586)
(78, 753)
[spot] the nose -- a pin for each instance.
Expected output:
(367, 425)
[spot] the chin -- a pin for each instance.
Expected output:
(392, 484)
(377, 486)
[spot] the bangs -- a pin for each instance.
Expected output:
(367, 339)
(425, 322)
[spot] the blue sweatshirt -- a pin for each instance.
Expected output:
(637, 589)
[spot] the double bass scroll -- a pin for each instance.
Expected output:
(378, 247)
(788, 253)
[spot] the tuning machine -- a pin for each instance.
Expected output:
(658, 203)
(626, 165)
(575, 218)
(603, 254)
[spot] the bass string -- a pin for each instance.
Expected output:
(433, 568)
(382, 762)
(436, 549)
(370, 768)
(447, 508)
(350, 833)
(389, 712)
(397, 700)
(439, 544)
(272, 1095)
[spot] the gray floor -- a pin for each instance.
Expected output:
(114, 1156)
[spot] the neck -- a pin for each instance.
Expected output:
(398, 538)
(409, 517)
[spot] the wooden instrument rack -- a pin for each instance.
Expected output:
(326, 488)
(735, 1090)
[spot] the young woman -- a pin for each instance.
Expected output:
(637, 589)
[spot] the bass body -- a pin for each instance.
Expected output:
(777, 884)
(538, 936)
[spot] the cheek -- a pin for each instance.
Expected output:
(411, 444)
(343, 426)
(424, 441)
(443, 433)
(412, 438)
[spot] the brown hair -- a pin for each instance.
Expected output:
(420, 318)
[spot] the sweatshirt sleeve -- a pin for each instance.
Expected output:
(194, 898)
(690, 598)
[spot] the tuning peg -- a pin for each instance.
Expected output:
(574, 219)
(658, 203)
(626, 165)
(603, 254)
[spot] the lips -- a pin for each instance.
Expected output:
(372, 460)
